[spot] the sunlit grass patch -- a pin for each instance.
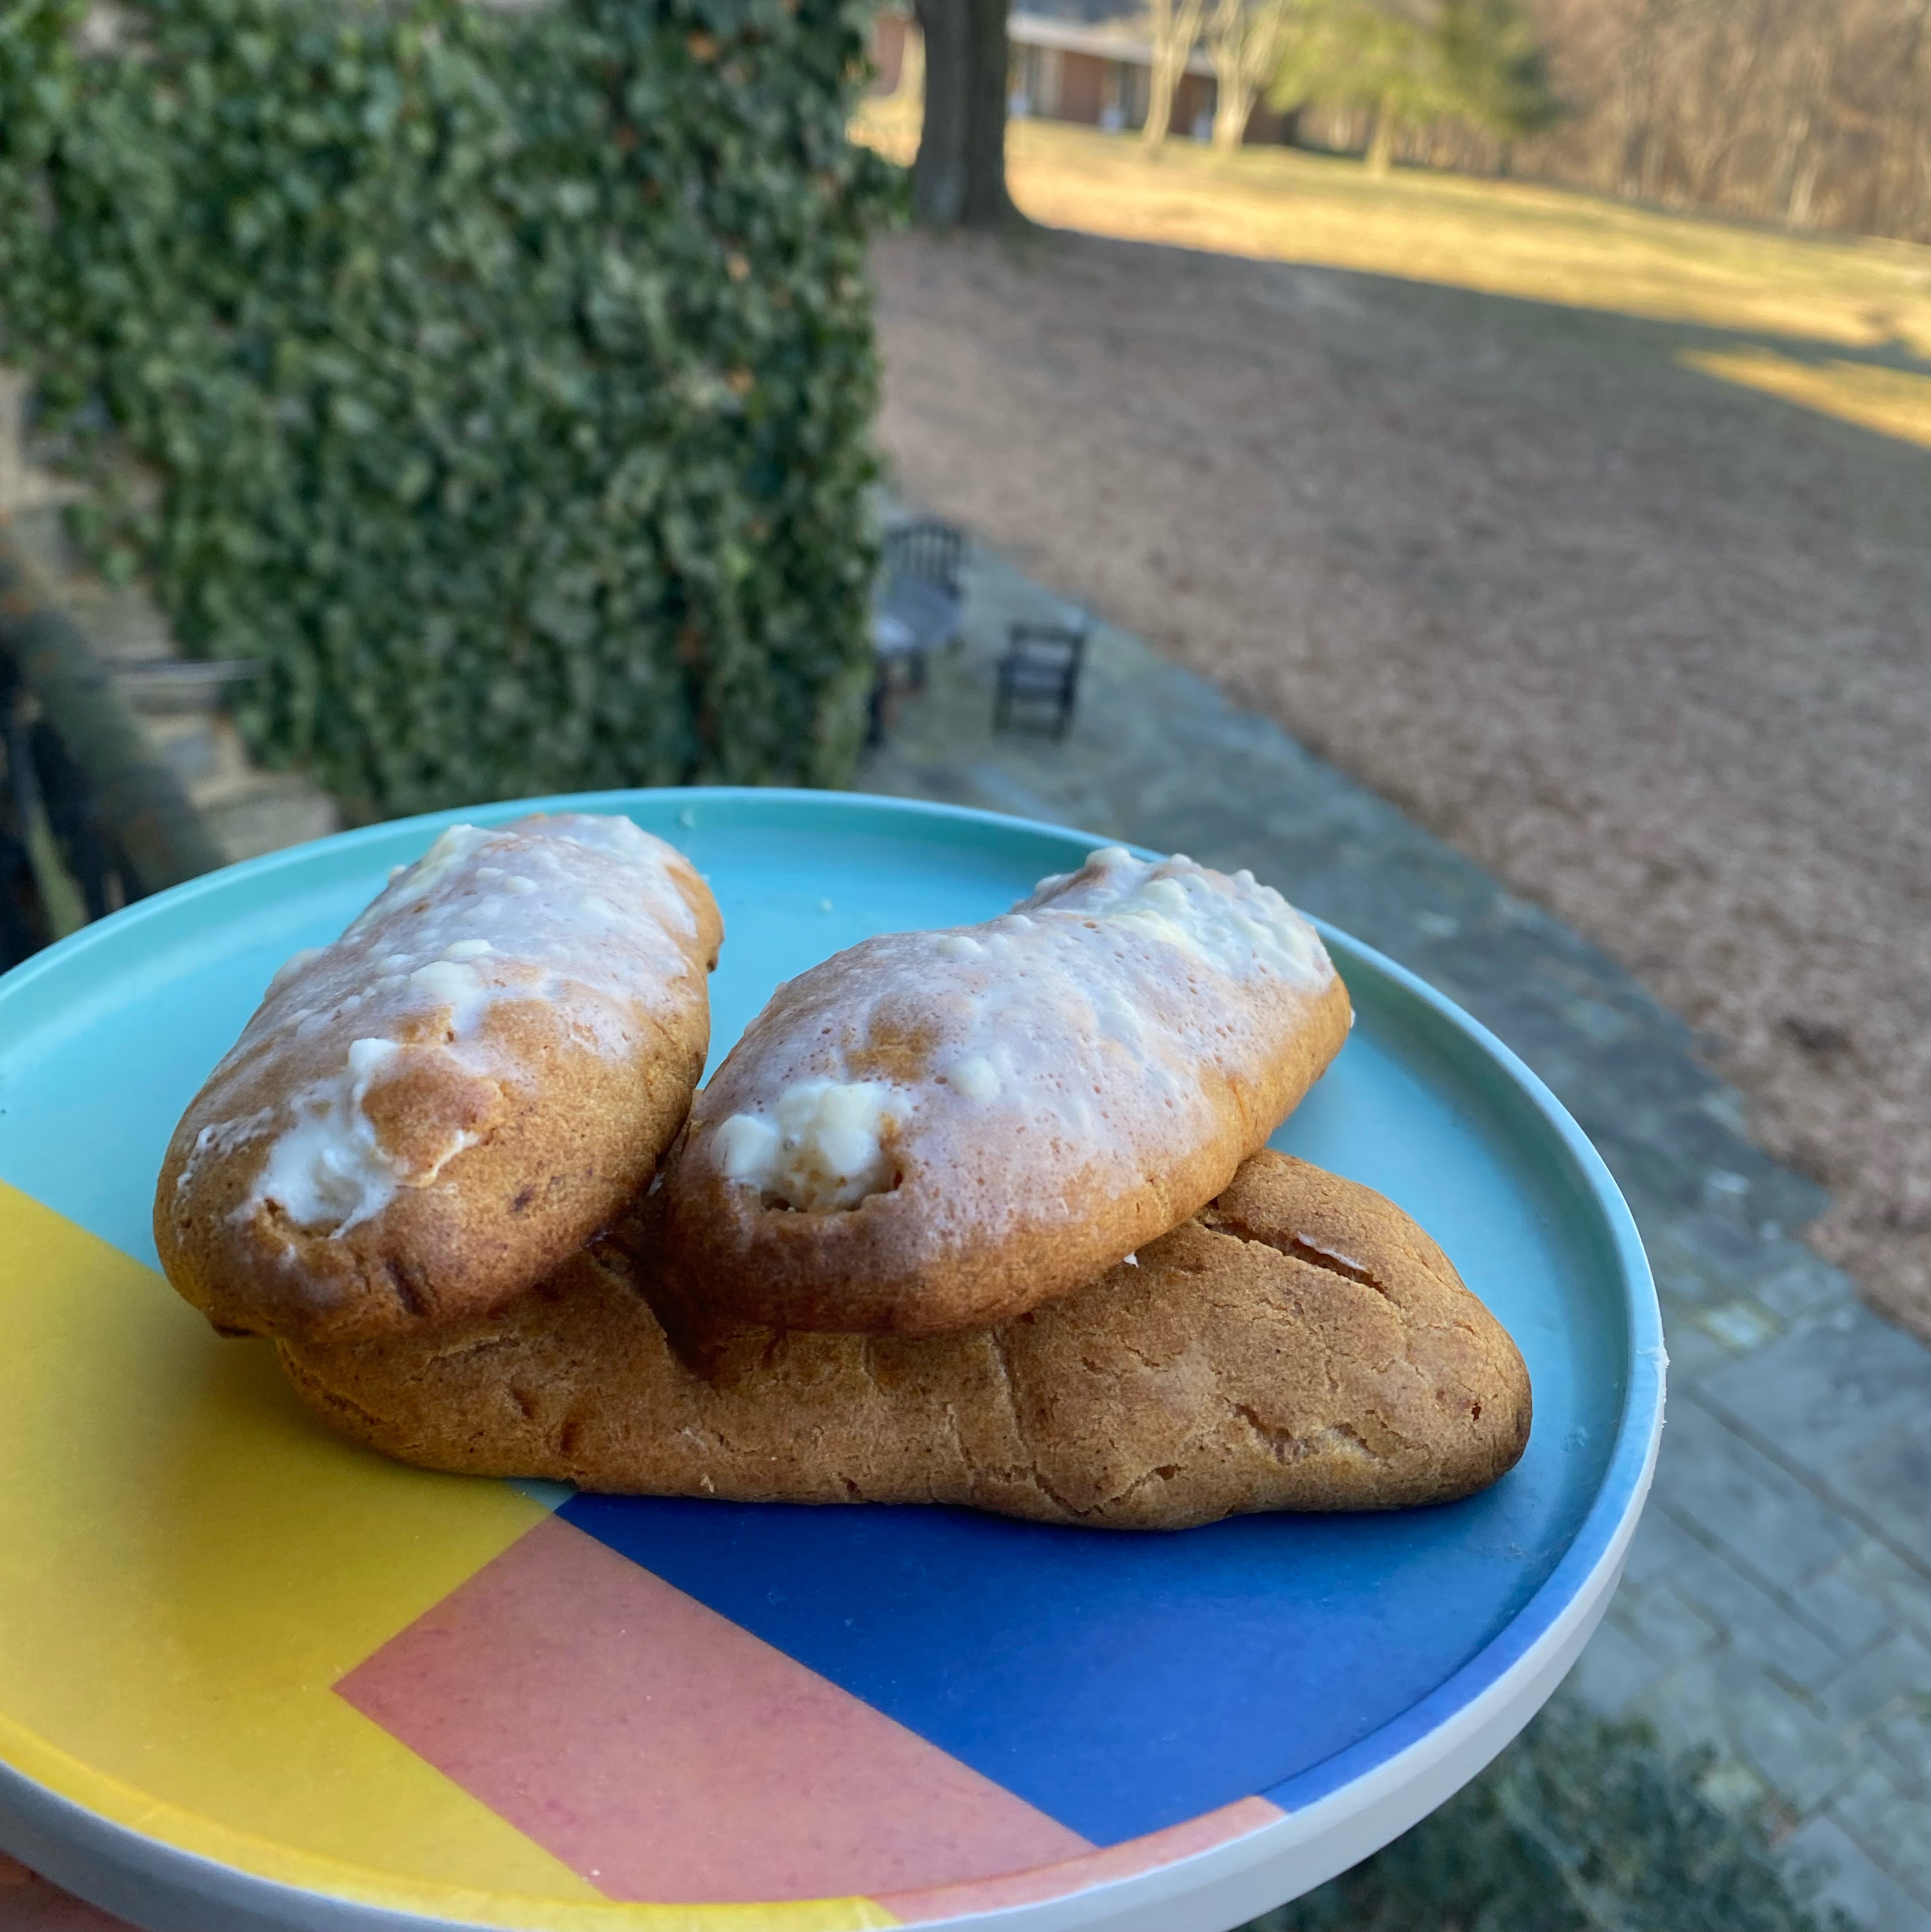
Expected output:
(1500, 238)
(1896, 402)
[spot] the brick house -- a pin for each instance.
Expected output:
(1093, 71)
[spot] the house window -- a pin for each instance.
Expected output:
(1112, 103)
(1032, 82)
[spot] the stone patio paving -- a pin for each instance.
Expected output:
(1777, 1602)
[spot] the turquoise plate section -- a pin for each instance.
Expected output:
(1120, 1683)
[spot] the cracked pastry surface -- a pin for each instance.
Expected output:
(936, 1130)
(1299, 1344)
(433, 1112)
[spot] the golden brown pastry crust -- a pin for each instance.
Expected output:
(1300, 1344)
(1055, 1088)
(433, 1113)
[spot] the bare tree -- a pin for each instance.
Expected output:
(1907, 141)
(1800, 157)
(1712, 105)
(1816, 112)
(1640, 78)
(1811, 111)
(1246, 41)
(1174, 27)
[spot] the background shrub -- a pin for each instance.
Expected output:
(503, 379)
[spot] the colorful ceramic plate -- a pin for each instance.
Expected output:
(251, 1676)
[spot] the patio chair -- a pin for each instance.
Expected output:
(1039, 678)
(916, 610)
(928, 550)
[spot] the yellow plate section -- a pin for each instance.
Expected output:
(188, 1563)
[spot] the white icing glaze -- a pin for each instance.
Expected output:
(1238, 925)
(221, 1137)
(822, 1147)
(445, 979)
(293, 964)
(588, 922)
(1087, 1031)
(746, 1150)
(975, 1076)
(327, 1170)
(417, 881)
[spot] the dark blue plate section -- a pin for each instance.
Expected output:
(1120, 1682)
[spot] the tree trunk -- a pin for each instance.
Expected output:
(1797, 210)
(1721, 116)
(1799, 157)
(1381, 132)
(958, 180)
(1903, 137)
(1636, 92)
(1246, 40)
(1233, 103)
(1162, 77)
(1227, 35)
(1174, 31)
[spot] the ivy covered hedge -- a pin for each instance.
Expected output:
(501, 379)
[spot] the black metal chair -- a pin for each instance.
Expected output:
(1039, 678)
(916, 610)
(927, 549)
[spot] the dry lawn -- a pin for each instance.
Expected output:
(1595, 538)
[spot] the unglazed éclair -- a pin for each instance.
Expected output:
(433, 1112)
(1299, 1345)
(936, 1130)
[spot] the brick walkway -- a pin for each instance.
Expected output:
(1777, 1603)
